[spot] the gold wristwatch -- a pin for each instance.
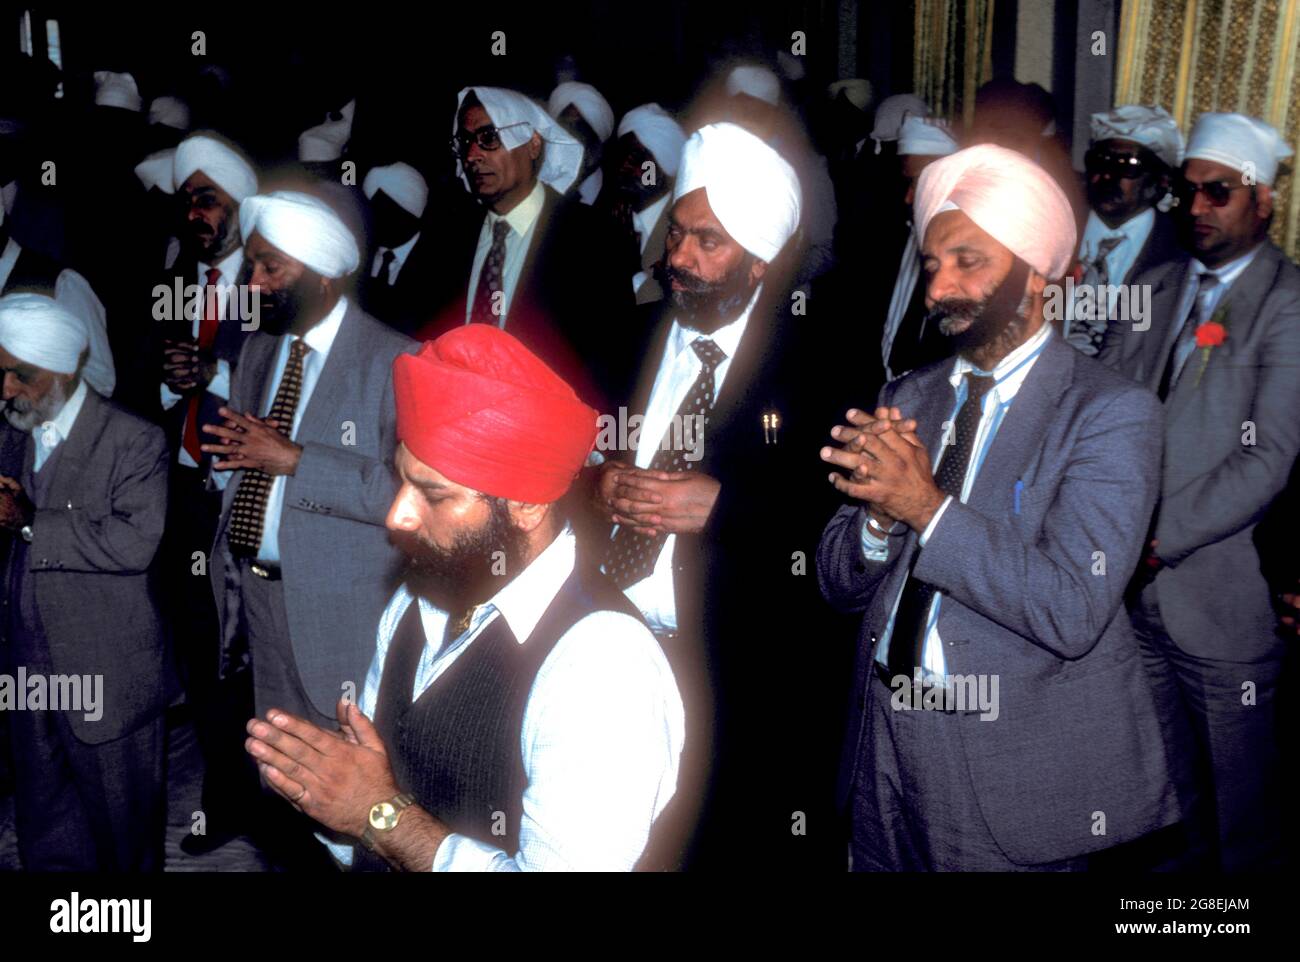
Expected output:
(384, 817)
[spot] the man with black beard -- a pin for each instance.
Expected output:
(991, 588)
(716, 511)
(525, 719)
(301, 565)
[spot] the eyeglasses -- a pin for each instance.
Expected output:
(1121, 166)
(488, 138)
(1217, 192)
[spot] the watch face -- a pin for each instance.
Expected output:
(383, 816)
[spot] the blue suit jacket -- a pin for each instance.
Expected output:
(1033, 593)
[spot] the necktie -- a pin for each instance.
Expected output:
(632, 556)
(489, 278)
(1098, 269)
(207, 336)
(248, 511)
(385, 267)
(907, 643)
(1197, 316)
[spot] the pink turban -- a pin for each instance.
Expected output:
(1009, 197)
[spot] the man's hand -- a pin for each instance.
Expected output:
(16, 508)
(853, 457)
(602, 489)
(1291, 612)
(656, 502)
(333, 777)
(887, 469)
(185, 367)
(250, 442)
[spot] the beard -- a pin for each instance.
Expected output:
(705, 307)
(279, 309)
(205, 241)
(976, 324)
(25, 415)
(460, 576)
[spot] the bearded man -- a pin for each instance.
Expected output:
(1003, 719)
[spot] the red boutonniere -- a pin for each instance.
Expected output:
(1209, 336)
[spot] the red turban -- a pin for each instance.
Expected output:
(479, 407)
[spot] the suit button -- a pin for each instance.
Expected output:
(69, 504)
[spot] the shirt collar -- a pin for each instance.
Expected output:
(1229, 272)
(644, 220)
(321, 337)
(1135, 228)
(524, 600)
(228, 266)
(61, 424)
(1010, 372)
(400, 252)
(727, 338)
(524, 214)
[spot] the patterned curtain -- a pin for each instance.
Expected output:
(952, 54)
(1193, 56)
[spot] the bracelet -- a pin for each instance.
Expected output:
(871, 524)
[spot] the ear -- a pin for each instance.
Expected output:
(1263, 201)
(535, 146)
(757, 270)
(1036, 284)
(527, 517)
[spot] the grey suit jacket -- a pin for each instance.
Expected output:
(1027, 597)
(338, 566)
(91, 551)
(1217, 484)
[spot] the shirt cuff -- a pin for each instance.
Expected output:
(874, 547)
(342, 853)
(169, 397)
(934, 522)
(220, 383)
(460, 853)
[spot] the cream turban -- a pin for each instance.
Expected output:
(305, 228)
(756, 81)
(117, 90)
(226, 168)
(856, 90)
(402, 183)
(1237, 140)
(892, 113)
(658, 132)
(752, 190)
(927, 138)
(170, 112)
(157, 169)
(36, 329)
(595, 109)
(1152, 127)
(562, 155)
(1009, 197)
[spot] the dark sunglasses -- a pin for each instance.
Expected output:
(1217, 192)
(1121, 166)
(488, 138)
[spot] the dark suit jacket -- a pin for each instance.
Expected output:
(338, 566)
(90, 558)
(407, 305)
(572, 289)
(1217, 485)
(1023, 601)
(1161, 246)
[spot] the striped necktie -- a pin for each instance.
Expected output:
(490, 277)
(248, 511)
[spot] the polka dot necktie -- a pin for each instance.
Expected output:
(907, 643)
(632, 556)
(248, 511)
(489, 278)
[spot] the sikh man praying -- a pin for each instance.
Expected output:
(524, 717)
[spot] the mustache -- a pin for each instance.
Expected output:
(689, 282)
(955, 307)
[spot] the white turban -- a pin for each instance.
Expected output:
(402, 183)
(856, 90)
(595, 109)
(927, 138)
(157, 169)
(658, 132)
(305, 228)
(561, 156)
(325, 142)
(749, 186)
(893, 113)
(1009, 197)
(757, 82)
(36, 329)
(117, 90)
(1237, 140)
(226, 168)
(1152, 127)
(170, 112)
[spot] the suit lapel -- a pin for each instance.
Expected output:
(74, 452)
(320, 419)
(654, 357)
(526, 288)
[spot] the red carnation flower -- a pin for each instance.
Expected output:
(1211, 334)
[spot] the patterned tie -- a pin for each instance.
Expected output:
(1197, 316)
(248, 511)
(207, 335)
(907, 643)
(632, 556)
(1087, 334)
(489, 279)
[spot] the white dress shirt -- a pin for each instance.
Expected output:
(229, 268)
(320, 339)
(8, 259)
(602, 730)
(400, 254)
(654, 594)
(1133, 232)
(522, 220)
(1226, 274)
(1008, 375)
(643, 222)
(589, 189)
(50, 434)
